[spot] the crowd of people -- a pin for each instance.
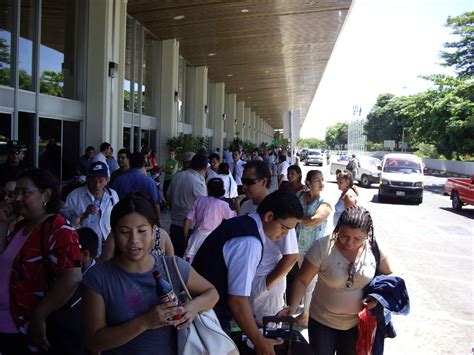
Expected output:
(77, 269)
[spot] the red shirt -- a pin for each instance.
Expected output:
(30, 276)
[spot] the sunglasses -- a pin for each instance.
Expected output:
(246, 181)
(350, 279)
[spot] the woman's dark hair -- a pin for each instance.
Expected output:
(215, 187)
(89, 240)
(129, 205)
(214, 156)
(312, 173)
(223, 169)
(356, 217)
(297, 170)
(284, 204)
(347, 175)
(43, 180)
(146, 197)
(262, 170)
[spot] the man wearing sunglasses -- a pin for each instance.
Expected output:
(279, 256)
(14, 165)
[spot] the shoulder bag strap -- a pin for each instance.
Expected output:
(178, 273)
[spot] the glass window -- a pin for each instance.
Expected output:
(128, 65)
(6, 28)
(26, 134)
(27, 33)
(136, 68)
(126, 137)
(137, 139)
(58, 48)
(5, 131)
(148, 82)
(49, 149)
(71, 153)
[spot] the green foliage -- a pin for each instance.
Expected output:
(460, 53)
(425, 150)
(386, 120)
(4, 52)
(310, 143)
(336, 134)
(51, 83)
(183, 143)
(373, 147)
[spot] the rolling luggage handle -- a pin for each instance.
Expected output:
(287, 319)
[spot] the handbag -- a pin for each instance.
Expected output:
(205, 335)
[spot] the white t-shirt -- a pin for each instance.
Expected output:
(247, 207)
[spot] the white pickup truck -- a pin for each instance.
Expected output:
(367, 173)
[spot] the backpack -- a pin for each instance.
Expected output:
(351, 165)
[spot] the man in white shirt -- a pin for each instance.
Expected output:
(236, 168)
(230, 255)
(282, 170)
(104, 151)
(95, 201)
(279, 257)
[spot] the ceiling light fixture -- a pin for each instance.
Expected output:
(211, 54)
(229, 75)
(244, 10)
(179, 17)
(241, 88)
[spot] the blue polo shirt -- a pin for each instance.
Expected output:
(135, 181)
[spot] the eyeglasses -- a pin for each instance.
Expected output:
(350, 279)
(247, 181)
(23, 193)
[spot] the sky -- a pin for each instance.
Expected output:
(384, 46)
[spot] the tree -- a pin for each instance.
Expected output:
(51, 83)
(336, 134)
(310, 143)
(461, 53)
(385, 120)
(443, 116)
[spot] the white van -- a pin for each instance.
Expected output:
(402, 177)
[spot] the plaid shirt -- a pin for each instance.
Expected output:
(29, 278)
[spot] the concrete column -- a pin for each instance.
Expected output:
(231, 113)
(107, 24)
(200, 102)
(217, 121)
(247, 123)
(258, 137)
(253, 127)
(169, 87)
(239, 126)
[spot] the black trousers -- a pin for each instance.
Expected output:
(177, 238)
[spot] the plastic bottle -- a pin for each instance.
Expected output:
(165, 292)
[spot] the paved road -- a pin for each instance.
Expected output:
(432, 248)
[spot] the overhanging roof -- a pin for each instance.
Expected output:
(272, 54)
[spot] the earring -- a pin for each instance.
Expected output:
(44, 204)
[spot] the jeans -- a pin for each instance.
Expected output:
(325, 340)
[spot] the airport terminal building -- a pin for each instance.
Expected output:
(135, 73)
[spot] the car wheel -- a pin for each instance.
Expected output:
(338, 171)
(456, 201)
(419, 201)
(364, 181)
(382, 199)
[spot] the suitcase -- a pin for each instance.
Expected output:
(294, 342)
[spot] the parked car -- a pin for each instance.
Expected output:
(366, 174)
(303, 153)
(461, 191)
(402, 177)
(314, 156)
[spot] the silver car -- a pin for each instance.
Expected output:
(314, 157)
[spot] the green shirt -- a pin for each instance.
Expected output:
(171, 168)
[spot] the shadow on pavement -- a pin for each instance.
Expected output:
(393, 201)
(437, 189)
(465, 212)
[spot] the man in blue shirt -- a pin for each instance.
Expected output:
(137, 180)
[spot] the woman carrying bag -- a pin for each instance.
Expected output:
(122, 309)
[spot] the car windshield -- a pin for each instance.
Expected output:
(402, 166)
(314, 153)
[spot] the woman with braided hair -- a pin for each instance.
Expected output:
(345, 263)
